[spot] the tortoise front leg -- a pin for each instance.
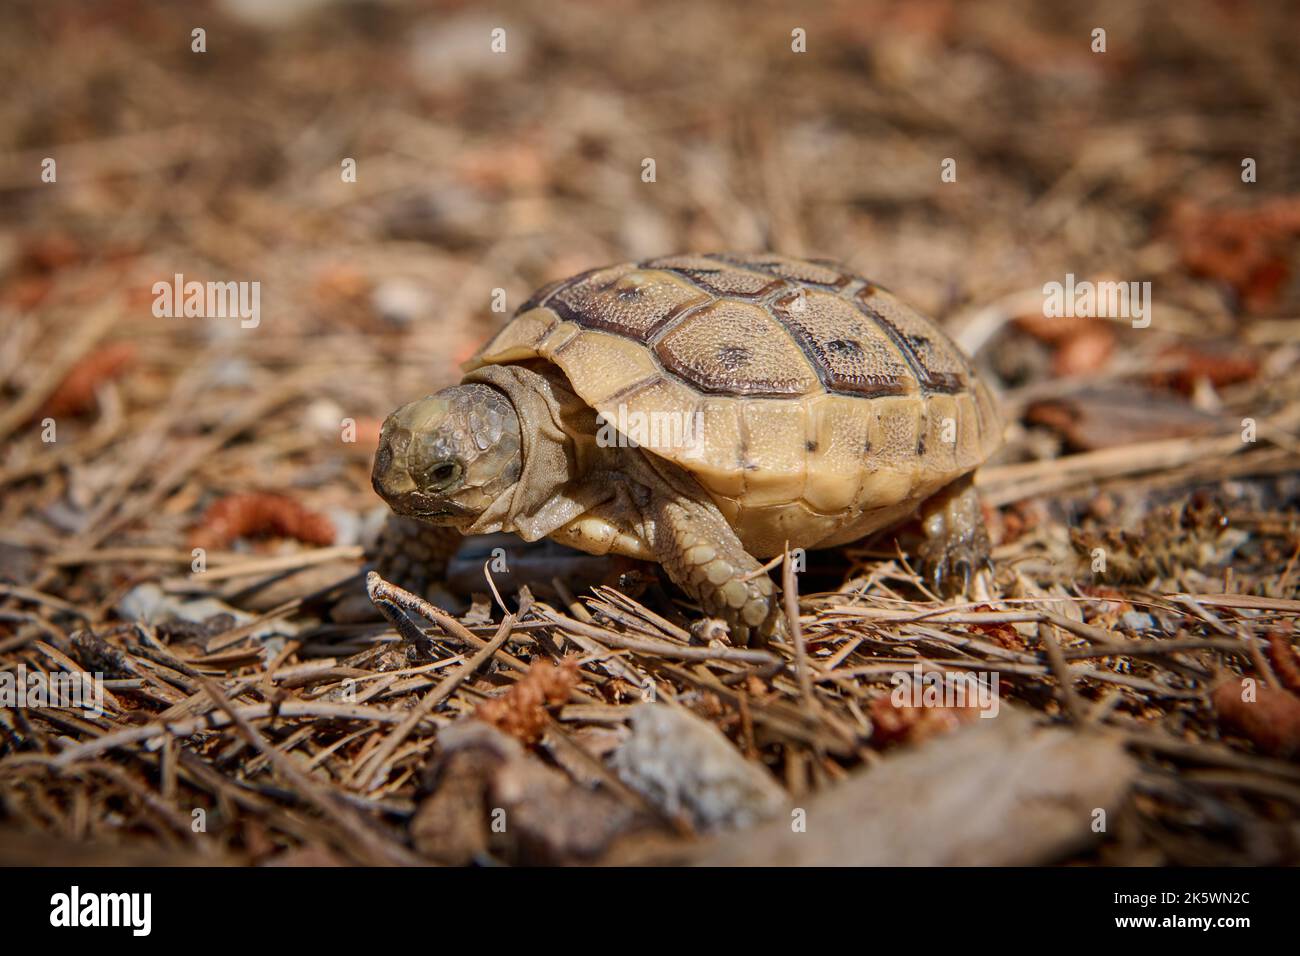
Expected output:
(956, 542)
(413, 554)
(703, 556)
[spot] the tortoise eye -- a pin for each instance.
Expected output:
(442, 474)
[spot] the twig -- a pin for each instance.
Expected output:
(431, 700)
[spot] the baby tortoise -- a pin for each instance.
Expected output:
(704, 412)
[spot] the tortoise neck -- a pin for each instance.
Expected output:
(545, 408)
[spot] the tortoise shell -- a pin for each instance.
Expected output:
(827, 407)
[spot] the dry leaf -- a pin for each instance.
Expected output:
(1271, 721)
(1247, 248)
(75, 395)
(521, 711)
(260, 514)
(913, 725)
(1089, 351)
(1224, 366)
(1286, 663)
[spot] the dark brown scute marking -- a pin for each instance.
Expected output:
(820, 273)
(852, 356)
(936, 362)
(859, 340)
(626, 300)
(733, 283)
(627, 391)
(810, 445)
(733, 357)
(736, 348)
(870, 288)
(539, 297)
(720, 276)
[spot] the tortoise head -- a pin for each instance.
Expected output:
(445, 458)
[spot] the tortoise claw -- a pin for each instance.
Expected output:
(939, 573)
(950, 566)
(964, 567)
(956, 542)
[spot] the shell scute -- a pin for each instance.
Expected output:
(935, 360)
(736, 348)
(720, 278)
(854, 354)
(827, 407)
(800, 271)
(630, 301)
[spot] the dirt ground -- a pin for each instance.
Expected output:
(389, 180)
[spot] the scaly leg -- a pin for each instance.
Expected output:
(703, 556)
(414, 555)
(956, 542)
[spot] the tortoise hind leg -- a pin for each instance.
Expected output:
(956, 543)
(703, 556)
